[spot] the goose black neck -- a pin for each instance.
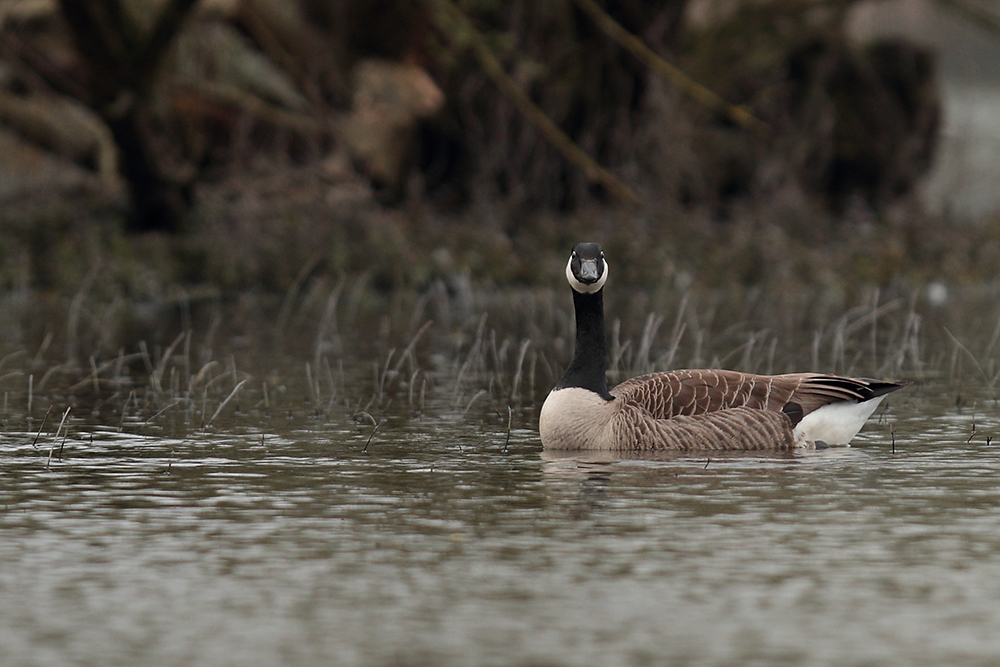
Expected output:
(587, 369)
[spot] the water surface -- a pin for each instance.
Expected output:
(439, 541)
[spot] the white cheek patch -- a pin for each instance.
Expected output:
(584, 288)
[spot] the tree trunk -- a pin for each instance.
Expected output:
(123, 64)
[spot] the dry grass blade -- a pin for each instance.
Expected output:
(370, 436)
(43, 348)
(328, 322)
(510, 420)
(56, 437)
(313, 389)
(479, 393)
(225, 402)
(516, 382)
(11, 375)
(62, 421)
(155, 381)
(384, 374)
(285, 312)
(649, 331)
(986, 378)
(977, 15)
(666, 360)
(408, 351)
(200, 376)
(375, 423)
(37, 435)
(157, 414)
(473, 354)
(93, 375)
(75, 308)
(10, 356)
(128, 400)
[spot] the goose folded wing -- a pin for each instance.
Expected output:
(739, 428)
(692, 392)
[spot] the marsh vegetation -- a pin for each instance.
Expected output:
(359, 472)
(344, 351)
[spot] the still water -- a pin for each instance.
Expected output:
(439, 540)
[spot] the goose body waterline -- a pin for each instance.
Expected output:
(689, 410)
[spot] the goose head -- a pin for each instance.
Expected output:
(586, 270)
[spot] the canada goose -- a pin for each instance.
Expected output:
(690, 409)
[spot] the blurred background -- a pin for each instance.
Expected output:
(244, 144)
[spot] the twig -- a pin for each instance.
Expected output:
(203, 96)
(689, 86)
(457, 27)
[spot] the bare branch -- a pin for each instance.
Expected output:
(977, 15)
(692, 88)
(456, 26)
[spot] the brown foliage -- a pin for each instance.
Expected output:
(845, 124)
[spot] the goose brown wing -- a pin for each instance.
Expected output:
(692, 392)
(735, 429)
